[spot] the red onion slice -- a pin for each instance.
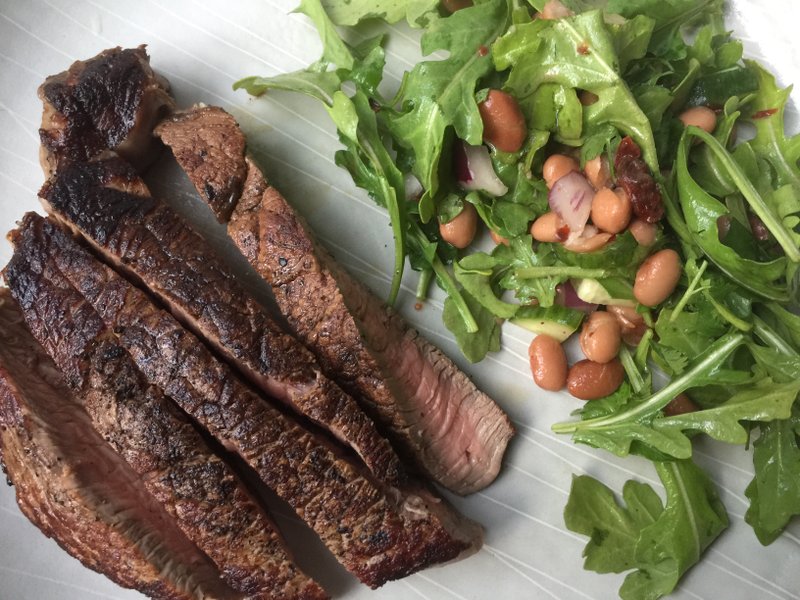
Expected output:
(567, 296)
(571, 199)
(474, 171)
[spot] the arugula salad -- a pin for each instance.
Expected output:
(635, 176)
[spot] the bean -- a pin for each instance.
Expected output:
(497, 238)
(549, 228)
(548, 363)
(680, 405)
(553, 9)
(588, 98)
(452, 6)
(631, 323)
(700, 116)
(601, 337)
(461, 230)
(597, 172)
(503, 124)
(588, 243)
(657, 277)
(611, 210)
(589, 380)
(556, 166)
(643, 232)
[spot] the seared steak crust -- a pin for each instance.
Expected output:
(212, 155)
(378, 533)
(110, 206)
(433, 413)
(77, 490)
(109, 102)
(198, 489)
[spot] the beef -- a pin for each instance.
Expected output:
(109, 102)
(216, 160)
(77, 490)
(378, 532)
(175, 465)
(106, 202)
(432, 411)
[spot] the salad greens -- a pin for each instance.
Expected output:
(728, 337)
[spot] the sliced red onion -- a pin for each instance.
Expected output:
(571, 199)
(474, 171)
(567, 296)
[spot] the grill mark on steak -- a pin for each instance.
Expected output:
(109, 102)
(216, 159)
(109, 205)
(433, 413)
(198, 489)
(377, 532)
(77, 490)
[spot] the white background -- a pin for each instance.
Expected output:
(203, 46)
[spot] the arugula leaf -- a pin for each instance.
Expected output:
(319, 84)
(334, 50)
(576, 52)
(660, 542)
(475, 273)
(417, 12)
(774, 492)
(473, 344)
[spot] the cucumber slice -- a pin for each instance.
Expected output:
(595, 292)
(558, 322)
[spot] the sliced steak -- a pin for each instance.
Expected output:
(198, 489)
(108, 204)
(212, 157)
(77, 490)
(431, 410)
(109, 102)
(378, 532)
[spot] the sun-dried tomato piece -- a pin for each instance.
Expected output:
(634, 177)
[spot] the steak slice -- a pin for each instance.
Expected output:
(109, 102)
(107, 203)
(213, 158)
(377, 532)
(174, 463)
(77, 490)
(433, 413)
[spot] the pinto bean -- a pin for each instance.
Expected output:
(452, 6)
(549, 228)
(700, 116)
(461, 230)
(631, 323)
(680, 405)
(597, 172)
(556, 166)
(497, 238)
(611, 210)
(657, 277)
(589, 380)
(601, 337)
(643, 232)
(548, 363)
(503, 123)
(553, 9)
(588, 242)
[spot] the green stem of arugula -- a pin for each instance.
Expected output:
(769, 336)
(424, 283)
(688, 293)
(718, 351)
(445, 279)
(750, 193)
(643, 348)
(631, 369)
(563, 271)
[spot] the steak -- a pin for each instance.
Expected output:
(377, 532)
(77, 490)
(173, 462)
(433, 413)
(107, 203)
(109, 102)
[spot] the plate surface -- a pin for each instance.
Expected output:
(203, 46)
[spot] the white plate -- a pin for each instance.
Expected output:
(203, 46)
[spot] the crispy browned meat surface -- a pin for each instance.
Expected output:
(378, 533)
(107, 203)
(198, 489)
(77, 490)
(432, 411)
(216, 157)
(108, 102)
